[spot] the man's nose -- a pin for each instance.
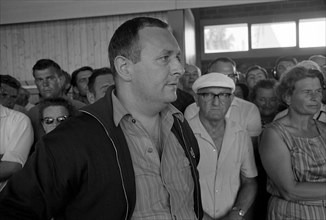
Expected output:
(177, 68)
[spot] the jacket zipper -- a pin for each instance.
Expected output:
(192, 167)
(116, 153)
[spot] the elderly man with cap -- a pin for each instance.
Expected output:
(227, 167)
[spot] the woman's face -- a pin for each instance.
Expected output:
(53, 116)
(306, 97)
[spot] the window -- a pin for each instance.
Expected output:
(226, 38)
(273, 35)
(312, 32)
(264, 36)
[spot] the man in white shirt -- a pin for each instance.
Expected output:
(16, 132)
(227, 167)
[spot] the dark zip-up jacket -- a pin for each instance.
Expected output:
(83, 170)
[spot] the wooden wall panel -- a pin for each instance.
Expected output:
(71, 43)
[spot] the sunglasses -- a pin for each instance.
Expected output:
(50, 120)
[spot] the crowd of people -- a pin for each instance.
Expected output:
(150, 138)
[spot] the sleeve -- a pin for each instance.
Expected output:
(254, 126)
(42, 188)
(20, 140)
(248, 166)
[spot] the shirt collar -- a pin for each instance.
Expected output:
(119, 111)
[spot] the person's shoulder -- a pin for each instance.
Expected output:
(280, 114)
(16, 116)
(77, 104)
(191, 111)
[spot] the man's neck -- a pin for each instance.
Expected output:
(213, 127)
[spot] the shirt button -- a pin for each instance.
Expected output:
(150, 150)
(216, 190)
(133, 120)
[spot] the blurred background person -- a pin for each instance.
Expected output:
(293, 150)
(79, 82)
(9, 90)
(320, 60)
(53, 111)
(22, 102)
(264, 96)
(283, 64)
(192, 73)
(98, 83)
(185, 95)
(253, 75)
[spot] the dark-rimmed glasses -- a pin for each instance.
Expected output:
(50, 120)
(223, 96)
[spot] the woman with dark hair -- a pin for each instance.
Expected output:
(53, 111)
(293, 150)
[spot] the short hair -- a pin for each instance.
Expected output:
(43, 64)
(220, 59)
(96, 73)
(256, 67)
(10, 81)
(58, 101)
(22, 97)
(285, 58)
(124, 41)
(75, 74)
(287, 82)
(316, 56)
(265, 84)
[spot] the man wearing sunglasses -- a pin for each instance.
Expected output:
(227, 167)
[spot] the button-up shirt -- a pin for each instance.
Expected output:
(164, 185)
(220, 169)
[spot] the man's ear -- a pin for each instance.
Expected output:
(90, 97)
(122, 66)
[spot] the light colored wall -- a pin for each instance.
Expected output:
(71, 43)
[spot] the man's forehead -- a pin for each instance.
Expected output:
(45, 72)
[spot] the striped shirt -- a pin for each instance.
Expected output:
(164, 185)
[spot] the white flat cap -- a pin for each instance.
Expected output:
(213, 80)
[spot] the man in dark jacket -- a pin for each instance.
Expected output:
(129, 155)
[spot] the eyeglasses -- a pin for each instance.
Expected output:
(50, 120)
(221, 96)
